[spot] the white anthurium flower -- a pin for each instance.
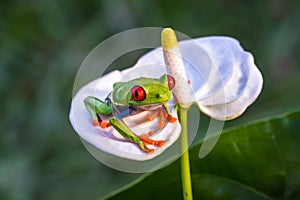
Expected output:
(223, 81)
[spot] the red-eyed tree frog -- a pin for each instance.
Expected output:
(130, 98)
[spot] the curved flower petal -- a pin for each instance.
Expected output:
(236, 108)
(109, 140)
(209, 63)
(230, 59)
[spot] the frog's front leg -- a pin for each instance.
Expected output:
(129, 135)
(169, 115)
(96, 107)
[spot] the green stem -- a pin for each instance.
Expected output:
(184, 160)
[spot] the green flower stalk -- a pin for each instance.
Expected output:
(175, 67)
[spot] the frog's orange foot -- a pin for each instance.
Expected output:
(102, 124)
(157, 143)
(150, 151)
(172, 119)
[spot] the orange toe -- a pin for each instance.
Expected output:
(172, 119)
(159, 143)
(150, 151)
(95, 122)
(104, 124)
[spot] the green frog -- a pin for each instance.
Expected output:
(130, 98)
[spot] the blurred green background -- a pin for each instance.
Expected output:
(42, 44)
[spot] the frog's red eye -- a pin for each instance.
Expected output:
(171, 82)
(138, 93)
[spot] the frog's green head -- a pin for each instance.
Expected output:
(144, 91)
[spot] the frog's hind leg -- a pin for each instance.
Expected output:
(96, 108)
(130, 136)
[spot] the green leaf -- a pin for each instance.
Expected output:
(260, 160)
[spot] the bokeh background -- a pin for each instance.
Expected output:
(42, 44)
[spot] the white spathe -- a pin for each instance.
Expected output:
(224, 81)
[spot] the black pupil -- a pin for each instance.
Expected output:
(136, 94)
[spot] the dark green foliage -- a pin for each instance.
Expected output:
(256, 161)
(42, 44)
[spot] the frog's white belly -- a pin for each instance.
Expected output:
(149, 107)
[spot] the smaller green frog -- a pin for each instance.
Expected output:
(130, 98)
